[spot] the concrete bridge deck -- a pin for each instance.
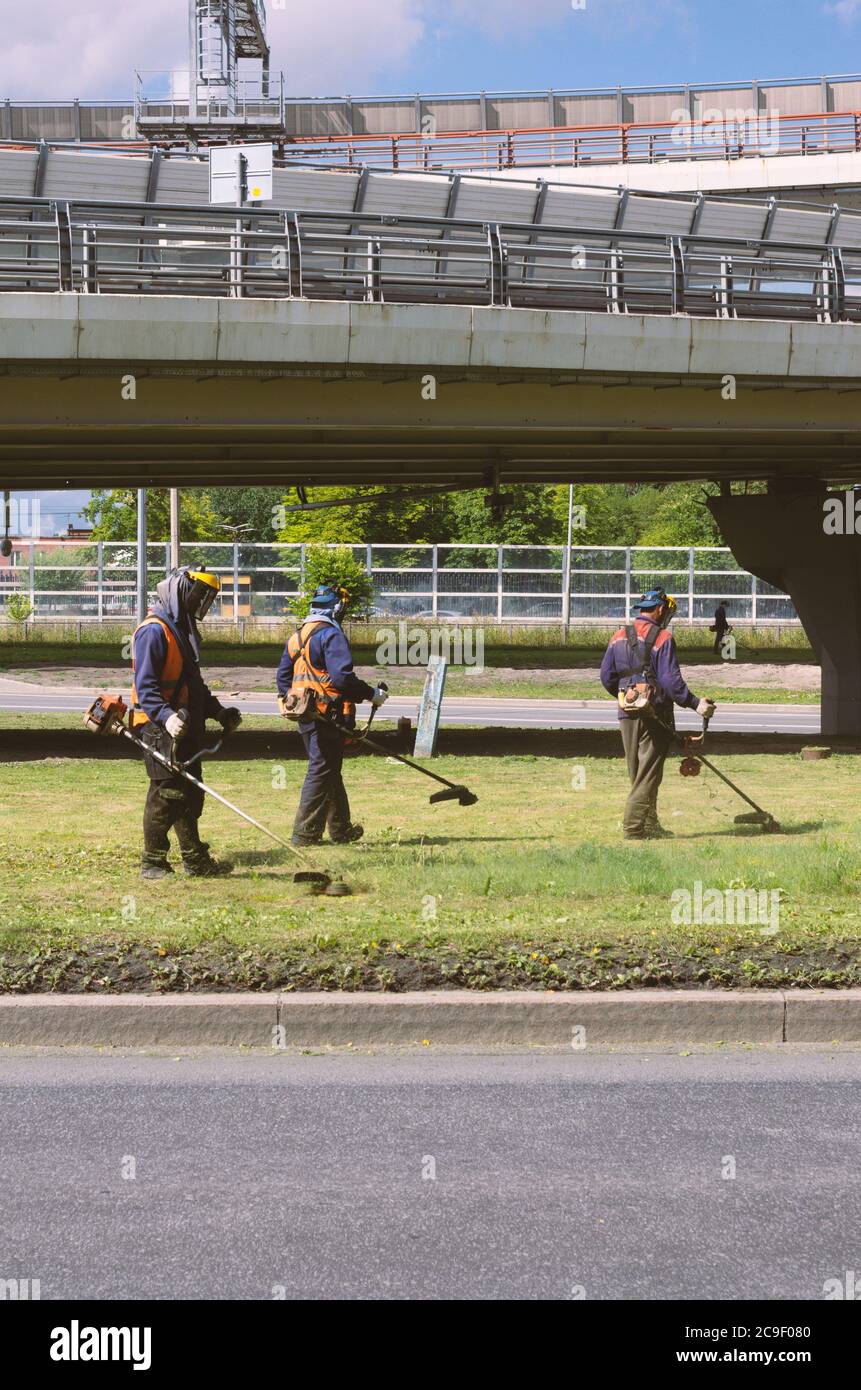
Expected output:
(288, 391)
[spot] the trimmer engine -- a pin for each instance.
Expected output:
(106, 715)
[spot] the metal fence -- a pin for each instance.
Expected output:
(587, 147)
(732, 137)
(85, 119)
(127, 248)
(92, 581)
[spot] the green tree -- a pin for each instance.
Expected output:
(18, 609)
(114, 514)
(254, 507)
(609, 514)
(336, 566)
(680, 517)
(383, 518)
(529, 518)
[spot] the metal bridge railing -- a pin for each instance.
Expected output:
(133, 248)
(587, 146)
(164, 102)
(433, 150)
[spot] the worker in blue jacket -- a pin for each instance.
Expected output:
(170, 704)
(318, 688)
(641, 670)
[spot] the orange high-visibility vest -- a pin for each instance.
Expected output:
(170, 675)
(306, 676)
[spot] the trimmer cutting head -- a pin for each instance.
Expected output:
(319, 882)
(768, 823)
(462, 795)
(338, 889)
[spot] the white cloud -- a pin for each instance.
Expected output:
(343, 45)
(90, 48)
(846, 10)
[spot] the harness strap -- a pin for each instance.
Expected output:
(315, 677)
(633, 644)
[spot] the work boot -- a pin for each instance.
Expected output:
(202, 865)
(152, 868)
(355, 832)
(656, 831)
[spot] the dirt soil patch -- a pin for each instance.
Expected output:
(117, 968)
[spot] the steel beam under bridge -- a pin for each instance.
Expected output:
(295, 391)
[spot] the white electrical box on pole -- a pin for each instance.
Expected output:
(240, 174)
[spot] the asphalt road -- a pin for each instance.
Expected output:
(431, 1176)
(494, 713)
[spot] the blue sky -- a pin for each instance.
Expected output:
(56, 510)
(624, 41)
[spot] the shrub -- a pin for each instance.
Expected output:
(336, 565)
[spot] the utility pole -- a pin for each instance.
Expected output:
(6, 544)
(174, 528)
(566, 566)
(142, 586)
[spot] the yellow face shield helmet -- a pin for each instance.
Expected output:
(204, 587)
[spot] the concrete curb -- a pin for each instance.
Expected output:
(441, 1016)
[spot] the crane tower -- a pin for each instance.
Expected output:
(226, 92)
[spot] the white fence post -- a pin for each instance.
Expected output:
(499, 584)
(691, 559)
(627, 583)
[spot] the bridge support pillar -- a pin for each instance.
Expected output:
(787, 538)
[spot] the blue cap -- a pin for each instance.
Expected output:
(653, 599)
(325, 596)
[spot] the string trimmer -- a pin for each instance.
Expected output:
(453, 791)
(106, 715)
(690, 767)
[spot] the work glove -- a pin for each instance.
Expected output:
(177, 724)
(706, 708)
(282, 706)
(380, 695)
(230, 719)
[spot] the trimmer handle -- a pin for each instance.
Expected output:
(204, 753)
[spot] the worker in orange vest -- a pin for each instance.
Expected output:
(170, 704)
(318, 689)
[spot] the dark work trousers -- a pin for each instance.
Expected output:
(171, 803)
(720, 633)
(646, 746)
(323, 802)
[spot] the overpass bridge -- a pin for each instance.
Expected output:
(168, 343)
